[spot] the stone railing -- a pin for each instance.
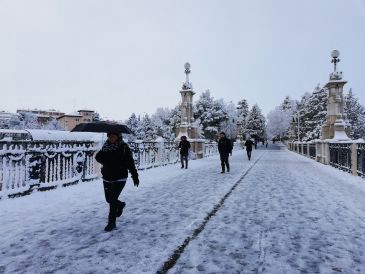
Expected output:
(360, 158)
(348, 156)
(29, 165)
(153, 154)
(210, 149)
(41, 165)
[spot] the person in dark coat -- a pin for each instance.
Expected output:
(224, 148)
(249, 143)
(184, 147)
(116, 158)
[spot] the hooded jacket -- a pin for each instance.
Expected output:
(117, 160)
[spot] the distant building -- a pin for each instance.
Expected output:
(69, 121)
(53, 113)
(43, 116)
(87, 115)
(5, 117)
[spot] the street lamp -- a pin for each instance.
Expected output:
(334, 54)
(296, 118)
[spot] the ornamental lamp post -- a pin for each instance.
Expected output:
(298, 115)
(335, 53)
(296, 118)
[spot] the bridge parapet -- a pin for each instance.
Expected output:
(27, 166)
(348, 156)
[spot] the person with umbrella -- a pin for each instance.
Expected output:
(116, 159)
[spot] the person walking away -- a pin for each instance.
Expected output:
(266, 143)
(224, 148)
(249, 143)
(116, 159)
(184, 147)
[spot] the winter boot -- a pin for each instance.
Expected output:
(111, 221)
(110, 226)
(120, 208)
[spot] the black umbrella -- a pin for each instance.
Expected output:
(102, 127)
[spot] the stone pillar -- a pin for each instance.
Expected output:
(318, 151)
(187, 126)
(354, 147)
(335, 126)
(326, 153)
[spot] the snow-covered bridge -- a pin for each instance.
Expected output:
(278, 213)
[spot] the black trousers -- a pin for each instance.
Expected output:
(224, 161)
(112, 192)
(184, 158)
(249, 154)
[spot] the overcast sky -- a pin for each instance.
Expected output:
(119, 57)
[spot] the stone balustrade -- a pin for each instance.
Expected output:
(26, 166)
(348, 156)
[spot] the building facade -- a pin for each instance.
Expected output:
(69, 121)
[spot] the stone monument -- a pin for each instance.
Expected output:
(335, 126)
(187, 126)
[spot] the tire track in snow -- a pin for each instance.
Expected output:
(171, 261)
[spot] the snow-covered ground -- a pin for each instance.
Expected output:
(288, 214)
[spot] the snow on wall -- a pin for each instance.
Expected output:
(35, 165)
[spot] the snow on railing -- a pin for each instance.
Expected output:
(312, 150)
(340, 156)
(360, 159)
(41, 165)
(29, 165)
(348, 156)
(210, 149)
(153, 154)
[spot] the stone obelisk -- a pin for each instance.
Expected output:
(187, 126)
(335, 126)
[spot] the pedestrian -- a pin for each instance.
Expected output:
(116, 158)
(184, 146)
(266, 143)
(249, 143)
(224, 148)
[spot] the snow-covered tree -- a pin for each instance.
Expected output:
(134, 124)
(278, 122)
(211, 113)
(175, 119)
(242, 114)
(312, 112)
(288, 104)
(147, 130)
(53, 125)
(30, 120)
(256, 124)
(96, 117)
(230, 125)
(4, 124)
(25, 120)
(356, 115)
(161, 119)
